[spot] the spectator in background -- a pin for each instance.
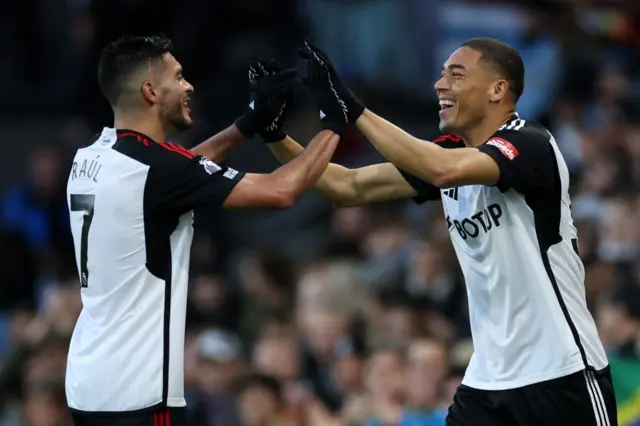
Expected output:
(212, 302)
(37, 207)
(268, 282)
(402, 324)
(18, 271)
(619, 318)
(427, 368)
(347, 371)
(620, 231)
(351, 224)
(220, 368)
(40, 383)
(278, 356)
(46, 405)
(260, 401)
(322, 332)
(385, 381)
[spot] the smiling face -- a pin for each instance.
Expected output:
(173, 96)
(466, 90)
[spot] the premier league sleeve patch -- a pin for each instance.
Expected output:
(209, 166)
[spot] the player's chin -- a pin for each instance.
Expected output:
(188, 121)
(447, 120)
(183, 123)
(446, 126)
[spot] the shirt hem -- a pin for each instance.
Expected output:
(112, 413)
(530, 380)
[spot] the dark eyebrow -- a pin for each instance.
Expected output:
(455, 67)
(179, 71)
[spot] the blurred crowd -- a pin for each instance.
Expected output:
(314, 316)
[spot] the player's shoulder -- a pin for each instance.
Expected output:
(519, 136)
(449, 141)
(520, 130)
(143, 149)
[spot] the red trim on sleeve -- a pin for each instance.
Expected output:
(125, 134)
(139, 137)
(178, 149)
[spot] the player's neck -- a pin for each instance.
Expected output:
(479, 134)
(147, 125)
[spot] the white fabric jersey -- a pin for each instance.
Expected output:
(131, 202)
(517, 247)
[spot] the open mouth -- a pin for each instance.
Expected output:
(446, 104)
(186, 104)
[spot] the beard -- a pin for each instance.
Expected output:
(176, 119)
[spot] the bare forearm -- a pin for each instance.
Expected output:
(420, 158)
(285, 150)
(218, 147)
(332, 182)
(307, 166)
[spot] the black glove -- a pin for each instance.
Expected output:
(274, 131)
(268, 94)
(353, 108)
(332, 111)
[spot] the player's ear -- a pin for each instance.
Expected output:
(149, 92)
(498, 90)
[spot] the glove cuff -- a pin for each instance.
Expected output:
(335, 125)
(355, 108)
(246, 125)
(273, 136)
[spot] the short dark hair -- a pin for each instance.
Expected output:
(262, 381)
(387, 347)
(123, 57)
(504, 58)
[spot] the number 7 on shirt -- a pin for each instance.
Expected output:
(83, 203)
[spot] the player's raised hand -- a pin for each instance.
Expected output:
(331, 81)
(274, 131)
(271, 92)
(331, 109)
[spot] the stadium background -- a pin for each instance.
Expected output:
(346, 317)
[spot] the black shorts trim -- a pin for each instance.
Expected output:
(168, 416)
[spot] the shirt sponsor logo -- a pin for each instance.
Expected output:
(230, 173)
(506, 148)
(209, 166)
(480, 223)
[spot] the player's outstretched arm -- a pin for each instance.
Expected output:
(350, 187)
(280, 189)
(444, 168)
(219, 146)
(441, 167)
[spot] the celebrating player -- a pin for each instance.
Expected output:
(131, 197)
(538, 359)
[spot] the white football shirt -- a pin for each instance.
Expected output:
(131, 201)
(517, 247)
